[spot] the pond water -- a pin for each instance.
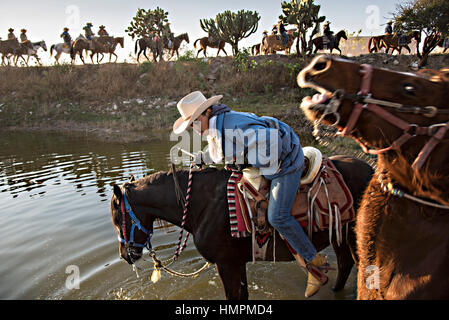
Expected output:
(54, 194)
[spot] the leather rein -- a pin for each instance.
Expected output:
(364, 101)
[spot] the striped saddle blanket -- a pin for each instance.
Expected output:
(324, 204)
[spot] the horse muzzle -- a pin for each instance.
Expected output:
(130, 254)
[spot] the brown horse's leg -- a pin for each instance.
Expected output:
(233, 277)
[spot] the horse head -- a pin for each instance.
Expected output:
(378, 107)
(43, 45)
(121, 41)
(133, 229)
(341, 35)
(185, 36)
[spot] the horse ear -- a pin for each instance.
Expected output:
(117, 192)
(132, 179)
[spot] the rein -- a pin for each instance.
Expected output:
(363, 101)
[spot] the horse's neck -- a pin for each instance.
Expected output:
(164, 204)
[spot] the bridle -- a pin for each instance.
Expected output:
(125, 209)
(364, 101)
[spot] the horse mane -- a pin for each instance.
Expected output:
(161, 177)
(428, 183)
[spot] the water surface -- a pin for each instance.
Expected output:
(55, 191)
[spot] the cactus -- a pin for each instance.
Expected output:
(304, 14)
(231, 27)
(147, 22)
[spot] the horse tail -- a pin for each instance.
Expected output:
(135, 46)
(194, 44)
(72, 48)
(51, 50)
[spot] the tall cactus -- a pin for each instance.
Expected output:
(147, 22)
(232, 27)
(304, 14)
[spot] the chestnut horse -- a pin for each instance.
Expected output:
(207, 220)
(392, 42)
(204, 43)
(273, 43)
(403, 222)
(375, 44)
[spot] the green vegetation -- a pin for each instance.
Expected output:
(148, 22)
(232, 27)
(304, 14)
(428, 16)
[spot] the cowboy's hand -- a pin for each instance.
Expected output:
(198, 159)
(202, 158)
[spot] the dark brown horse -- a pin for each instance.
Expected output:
(155, 44)
(208, 221)
(78, 48)
(392, 42)
(176, 44)
(402, 225)
(318, 42)
(205, 42)
(255, 49)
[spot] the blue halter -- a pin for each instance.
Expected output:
(135, 223)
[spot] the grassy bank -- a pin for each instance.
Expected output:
(111, 99)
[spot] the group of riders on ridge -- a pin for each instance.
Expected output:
(89, 35)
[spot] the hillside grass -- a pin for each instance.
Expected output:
(118, 98)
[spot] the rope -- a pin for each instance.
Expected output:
(179, 248)
(158, 265)
(389, 188)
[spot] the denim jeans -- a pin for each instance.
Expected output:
(282, 195)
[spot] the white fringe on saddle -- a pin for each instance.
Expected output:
(334, 212)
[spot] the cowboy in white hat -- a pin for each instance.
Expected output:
(23, 35)
(11, 35)
(240, 136)
(389, 28)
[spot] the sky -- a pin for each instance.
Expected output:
(45, 19)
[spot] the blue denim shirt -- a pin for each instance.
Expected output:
(265, 142)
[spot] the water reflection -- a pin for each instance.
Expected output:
(29, 163)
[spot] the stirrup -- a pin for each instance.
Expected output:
(317, 273)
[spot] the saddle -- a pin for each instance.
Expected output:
(323, 201)
(402, 40)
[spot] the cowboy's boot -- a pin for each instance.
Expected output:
(315, 276)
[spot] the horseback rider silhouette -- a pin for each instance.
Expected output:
(328, 34)
(283, 32)
(11, 35)
(66, 37)
(102, 32)
(23, 36)
(88, 31)
(389, 28)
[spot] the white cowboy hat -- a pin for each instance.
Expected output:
(315, 159)
(191, 107)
